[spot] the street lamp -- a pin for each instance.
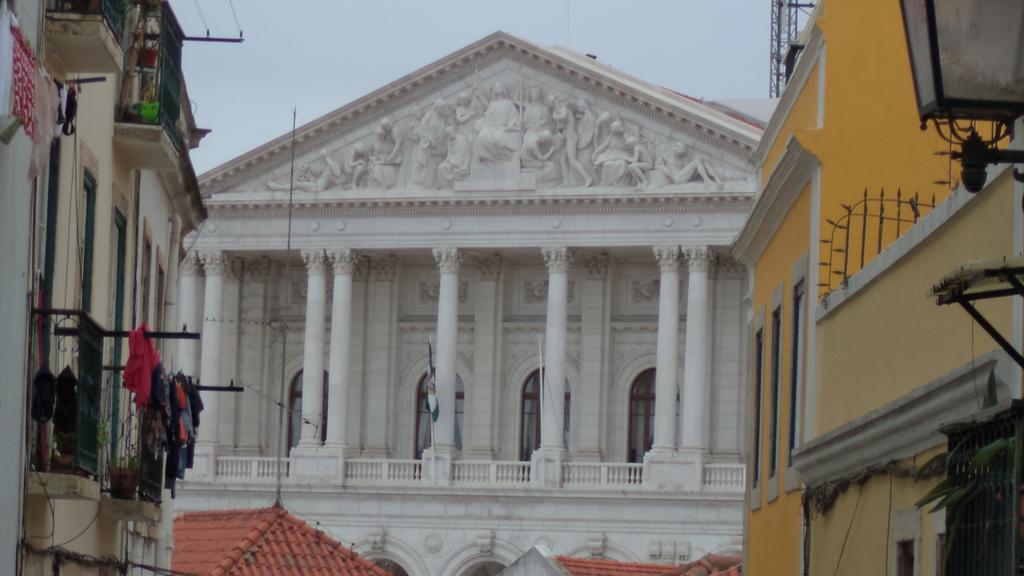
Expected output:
(967, 59)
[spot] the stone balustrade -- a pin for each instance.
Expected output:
(723, 478)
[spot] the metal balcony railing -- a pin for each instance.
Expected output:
(113, 12)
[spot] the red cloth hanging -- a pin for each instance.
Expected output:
(142, 359)
(24, 83)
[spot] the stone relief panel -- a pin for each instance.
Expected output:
(636, 292)
(421, 289)
(511, 128)
(526, 292)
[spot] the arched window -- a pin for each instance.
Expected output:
(391, 567)
(529, 439)
(423, 415)
(641, 416)
(295, 411)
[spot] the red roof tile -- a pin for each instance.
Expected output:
(260, 542)
(710, 565)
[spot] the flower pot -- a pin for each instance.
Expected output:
(62, 462)
(124, 483)
(148, 57)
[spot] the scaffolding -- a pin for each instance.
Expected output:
(787, 16)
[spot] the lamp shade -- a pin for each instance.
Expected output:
(967, 57)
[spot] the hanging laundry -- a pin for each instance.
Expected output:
(24, 83)
(45, 119)
(195, 401)
(62, 101)
(65, 414)
(142, 359)
(70, 110)
(6, 58)
(43, 395)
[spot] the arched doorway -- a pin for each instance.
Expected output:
(529, 417)
(392, 567)
(489, 568)
(423, 428)
(295, 411)
(641, 416)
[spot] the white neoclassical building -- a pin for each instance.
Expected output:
(505, 204)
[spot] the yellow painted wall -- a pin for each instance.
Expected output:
(802, 116)
(891, 337)
(773, 543)
(862, 511)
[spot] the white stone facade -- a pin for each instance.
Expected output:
(495, 248)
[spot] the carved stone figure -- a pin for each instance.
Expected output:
(385, 156)
(499, 130)
(469, 105)
(456, 164)
(537, 150)
(312, 179)
(359, 164)
(678, 169)
(566, 126)
(612, 156)
(433, 144)
(641, 163)
(536, 118)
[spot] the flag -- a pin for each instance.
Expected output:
(432, 405)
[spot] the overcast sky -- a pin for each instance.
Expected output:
(318, 55)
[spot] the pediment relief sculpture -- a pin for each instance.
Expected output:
(510, 129)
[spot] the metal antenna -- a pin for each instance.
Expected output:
(284, 335)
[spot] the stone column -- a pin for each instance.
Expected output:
(668, 349)
(553, 389)
(481, 424)
(590, 393)
(188, 311)
(253, 433)
(448, 261)
(696, 353)
(214, 264)
(381, 356)
(341, 347)
(313, 350)
(230, 404)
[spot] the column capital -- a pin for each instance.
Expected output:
(557, 258)
(215, 262)
(448, 259)
(596, 265)
(698, 258)
(190, 264)
(667, 257)
(343, 261)
(489, 267)
(315, 260)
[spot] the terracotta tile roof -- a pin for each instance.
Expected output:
(259, 542)
(710, 565)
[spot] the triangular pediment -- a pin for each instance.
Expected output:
(505, 115)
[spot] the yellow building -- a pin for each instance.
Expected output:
(852, 365)
(113, 201)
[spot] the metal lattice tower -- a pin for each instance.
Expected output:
(785, 41)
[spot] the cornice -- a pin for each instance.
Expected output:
(787, 180)
(467, 206)
(712, 129)
(904, 427)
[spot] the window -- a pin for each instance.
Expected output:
(529, 439)
(295, 411)
(161, 278)
(773, 432)
(905, 558)
(758, 368)
(423, 428)
(89, 185)
(52, 196)
(641, 415)
(796, 369)
(120, 247)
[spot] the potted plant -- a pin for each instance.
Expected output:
(63, 457)
(124, 477)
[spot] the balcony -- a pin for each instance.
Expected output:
(151, 132)
(87, 35)
(360, 472)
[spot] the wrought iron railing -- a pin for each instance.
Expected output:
(864, 230)
(151, 462)
(113, 11)
(87, 394)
